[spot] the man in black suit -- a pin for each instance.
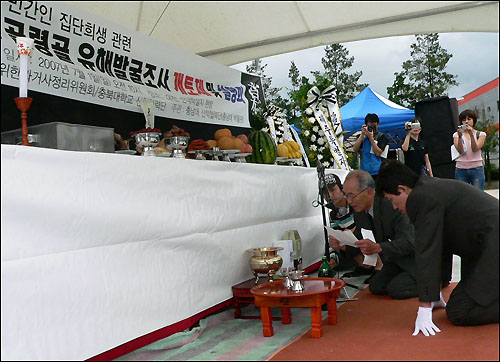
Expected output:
(450, 217)
(393, 234)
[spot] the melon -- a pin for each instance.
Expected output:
(264, 148)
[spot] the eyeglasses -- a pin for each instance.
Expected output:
(350, 197)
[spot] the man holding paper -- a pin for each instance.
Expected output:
(383, 232)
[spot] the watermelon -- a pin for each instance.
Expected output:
(264, 148)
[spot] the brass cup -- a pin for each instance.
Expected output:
(265, 261)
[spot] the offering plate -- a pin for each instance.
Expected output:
(200, 154)
(291, 161)
(240, 157)
(265, 261)
(177, 145)
(215, 152)
(280, 160)
(227, 153)
(148, 141)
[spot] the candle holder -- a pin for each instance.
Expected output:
(24, 104)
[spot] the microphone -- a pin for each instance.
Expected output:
(330, 205)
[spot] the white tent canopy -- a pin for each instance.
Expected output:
(234, 32)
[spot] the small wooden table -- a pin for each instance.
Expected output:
(242, 295)
(317, 291)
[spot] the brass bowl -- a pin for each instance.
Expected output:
(265, 261)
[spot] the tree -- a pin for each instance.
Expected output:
(294, 75)
(490, 143)
(399, 91)
(423, 76)
(336, 62)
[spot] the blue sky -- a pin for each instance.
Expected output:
(474, 61)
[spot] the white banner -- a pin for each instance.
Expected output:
(81, 56)
(335, 148)
(296, 138)
(272, 130)
(336, 120)
(327, 100)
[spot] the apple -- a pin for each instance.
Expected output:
(243, 137)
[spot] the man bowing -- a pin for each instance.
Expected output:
(450, 217)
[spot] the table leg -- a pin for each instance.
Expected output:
(316, 322)
(286, 316)
(332, 311)
(267, 321)
(237, 310)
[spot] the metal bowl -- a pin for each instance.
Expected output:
(147, 140)
(177, 142)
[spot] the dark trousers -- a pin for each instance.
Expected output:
(394, 281)
(463, 311)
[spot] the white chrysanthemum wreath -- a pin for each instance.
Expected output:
(314, 136)
(281, 136)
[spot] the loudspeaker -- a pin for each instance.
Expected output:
(439, 121)
(445, 170)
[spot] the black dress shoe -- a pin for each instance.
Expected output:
(359, 271)
(367, 280)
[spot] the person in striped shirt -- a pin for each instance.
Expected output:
(341, 218)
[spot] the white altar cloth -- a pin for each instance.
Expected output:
(99, 249)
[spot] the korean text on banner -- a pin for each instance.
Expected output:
(80, 56)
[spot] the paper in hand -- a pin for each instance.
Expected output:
(385, 151)
(369, 259)
(345, 237)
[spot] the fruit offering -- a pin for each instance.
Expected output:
(226, 141)
(176, 132)
(198, 145)
(146, 130)
(264, 148)
(120, 143)
(289, 149)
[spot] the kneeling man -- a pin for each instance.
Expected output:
(450, 217)
(394, 236)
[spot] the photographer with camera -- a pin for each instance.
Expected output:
(372, 146)
(469, 166)
(415, 149)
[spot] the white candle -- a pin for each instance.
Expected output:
(24, 46)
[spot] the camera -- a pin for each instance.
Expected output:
(462, 127)
(370, 128)
(411, 126)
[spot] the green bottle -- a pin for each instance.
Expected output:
(325, 271)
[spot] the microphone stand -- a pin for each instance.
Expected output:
(322, 187)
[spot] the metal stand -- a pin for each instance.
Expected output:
(321, 187)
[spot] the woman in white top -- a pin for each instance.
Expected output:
(469, 165)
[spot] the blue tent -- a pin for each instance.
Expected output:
(392, 116)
